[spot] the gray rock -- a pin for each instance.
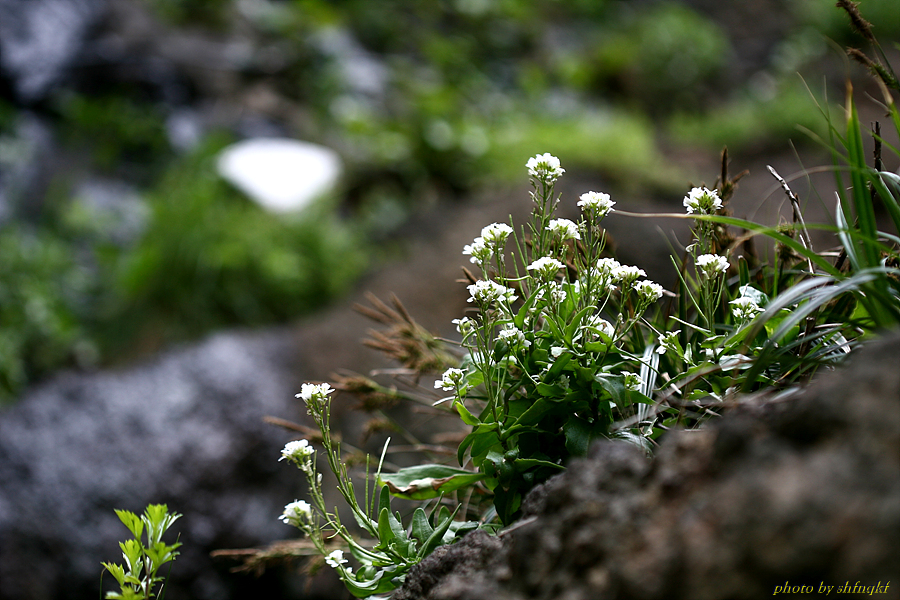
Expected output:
(41, 39)
(803, 492)
(185, 430)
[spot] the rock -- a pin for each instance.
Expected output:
(114, 207)
(27, 154)
(41, 39)
(802, 492)
(281, 175)
(185, 430)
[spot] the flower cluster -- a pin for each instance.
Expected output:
(513, 337)
(564, 229)
(488, 244)
(464, 325)
(702, 201)
(452, 379)
(744, 308)
(297, 513)
(336, 560)
(545, 267)
(633, 381)
(487, 292)
(545, 168)
(648, 291)
(596, 204)
(297, 451)
(598, 324)
(311, 392)
(710, 265)
(668, 341)
(627, 274)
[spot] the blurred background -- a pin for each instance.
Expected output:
(125, 233)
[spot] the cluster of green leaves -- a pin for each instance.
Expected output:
(117, 130)
(139, 577)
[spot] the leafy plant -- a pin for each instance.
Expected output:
(383, 565)
(138, 577)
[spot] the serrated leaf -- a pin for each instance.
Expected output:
(131, 521)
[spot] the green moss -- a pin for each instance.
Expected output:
(751, 121)
(40, 288)
(619, 144)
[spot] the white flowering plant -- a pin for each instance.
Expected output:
(563, 345)
(381, 565)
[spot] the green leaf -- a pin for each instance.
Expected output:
(520, 317)
(384, 498)
(530, 417)
(427, 481)
(117, 571)
(579, 434)
(529, 463)
(615, 386)
(385, 531)
(421, 529)
(435, 539)
(131, 521)
(482, 446)
(467, 417)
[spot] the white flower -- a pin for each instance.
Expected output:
(297, 451)
(668, 341)
(710, 265)
(310, 392)
(479, 251)
(744, 308)
(633, 381)
(513, 337)
(450, 380)
(490, 292)
(648, 291)
(464, 325)
(600, 324)
(546, 267)
(544, 167)
(296, 513)
(596, 203)
(557, 293)
(627, 275)
(607, 266)
(336, 559)
(564, 228)
(556, 351)
(496, 234)
(702, 201)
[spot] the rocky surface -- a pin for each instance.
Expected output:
(185, 430)
(804, 492)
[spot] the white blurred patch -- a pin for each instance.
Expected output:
(281, 175)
